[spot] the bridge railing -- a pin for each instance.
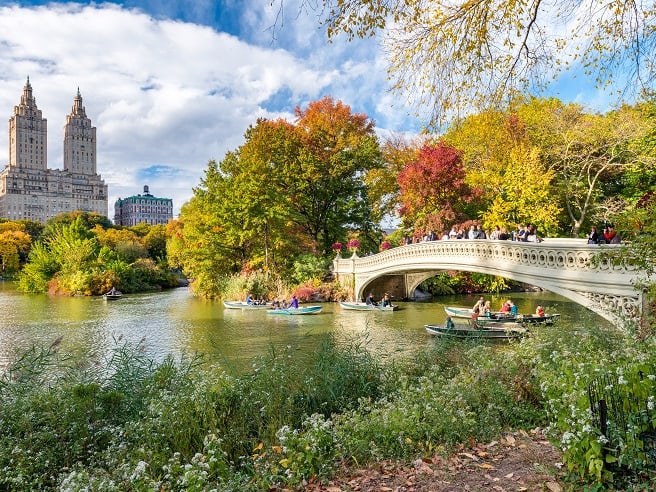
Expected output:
(569, 254)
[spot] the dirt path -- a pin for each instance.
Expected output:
(521, 461)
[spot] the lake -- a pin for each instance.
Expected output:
(176, 322)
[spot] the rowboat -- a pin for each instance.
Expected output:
(361, 306)
(461, 330)
(114, 296)
(296, 311)
(245, 305)
(501, 317)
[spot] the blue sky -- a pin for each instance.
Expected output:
(172, 84)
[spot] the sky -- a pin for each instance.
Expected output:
(172, 84)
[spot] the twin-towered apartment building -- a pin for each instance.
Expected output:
(29, 190)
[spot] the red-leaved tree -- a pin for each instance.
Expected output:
(433, 191)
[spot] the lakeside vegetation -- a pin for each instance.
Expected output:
(128, 423)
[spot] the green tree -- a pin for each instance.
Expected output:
(589, 152)
(324, 184)
(155, 242)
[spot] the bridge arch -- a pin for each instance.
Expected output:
(561, 266)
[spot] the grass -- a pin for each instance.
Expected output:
(129, 423)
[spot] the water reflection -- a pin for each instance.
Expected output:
(176, 322)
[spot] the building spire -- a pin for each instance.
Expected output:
(28, 100)
(78, 108)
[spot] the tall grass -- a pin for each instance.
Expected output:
(128, 423)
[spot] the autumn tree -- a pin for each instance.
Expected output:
(588, 152)
(433, 191)
(517, 185)
(324, 182)
(14, 244)
(452, 57)
(290, 188)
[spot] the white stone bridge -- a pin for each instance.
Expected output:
(562, 266)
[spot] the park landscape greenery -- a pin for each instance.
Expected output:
(129, 423)
(266, 218)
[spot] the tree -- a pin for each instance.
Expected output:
(324, 182)
(455, 56)
(291, 188)
(526, 194)
(155, 242)
(381, 182)
(517, 185)
(434, 194)
(14, 242)
(589, 152)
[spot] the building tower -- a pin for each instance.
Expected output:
(28, 189)
(79, 140)
(28, 134)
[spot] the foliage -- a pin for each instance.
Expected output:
(589, 152)
(72, 259)
(125, 420)
(433, 189)
(181, 425)
(258, 284)
(526, 195)
(449, 283)
(451, 57)
(87, 220)
(290, 189)
(566, 364)
(382, 186)
(307, 268)
(15, 243)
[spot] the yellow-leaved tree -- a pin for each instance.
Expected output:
(454, 56)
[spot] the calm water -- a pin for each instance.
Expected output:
(176, 322)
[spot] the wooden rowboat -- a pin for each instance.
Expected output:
(296, 311)
(245, 305)
(361, 306)
(461, 330)
(500, 317)
(114, 296)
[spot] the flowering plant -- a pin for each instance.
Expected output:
(337, 246)
(353, 244)
(385, 245)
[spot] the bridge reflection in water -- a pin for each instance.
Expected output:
(562, 266)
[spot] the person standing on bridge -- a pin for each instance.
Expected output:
(593, 237)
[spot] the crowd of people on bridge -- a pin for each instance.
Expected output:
(526, 233)
(608, 236)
